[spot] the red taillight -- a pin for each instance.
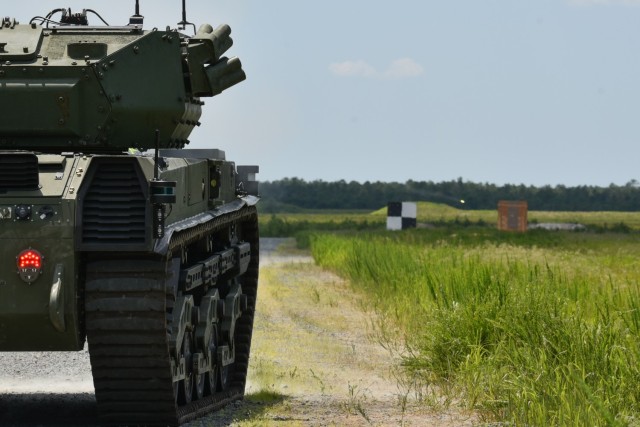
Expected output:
(29, 258)
(29, 264)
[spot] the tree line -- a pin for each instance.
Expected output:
(296, 193)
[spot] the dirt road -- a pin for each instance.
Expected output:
(313, 364)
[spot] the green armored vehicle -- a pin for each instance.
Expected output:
(110, 230)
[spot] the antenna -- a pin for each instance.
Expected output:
(182, 25)
(137, 19)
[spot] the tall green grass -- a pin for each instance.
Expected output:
(535, 329)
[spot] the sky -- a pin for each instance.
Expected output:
(535, 92)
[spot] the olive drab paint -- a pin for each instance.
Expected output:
(107, 222)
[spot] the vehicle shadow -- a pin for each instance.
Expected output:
(48, 410)
(252, 409)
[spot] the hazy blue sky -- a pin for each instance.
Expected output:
(501, 91)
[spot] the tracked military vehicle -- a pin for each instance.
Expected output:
(113, 232)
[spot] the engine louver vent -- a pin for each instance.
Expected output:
(18, 172)
(114, 207)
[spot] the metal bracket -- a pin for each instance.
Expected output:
(231, 312)
(56, 300)
(181, 321)
(208, 317)
(226, 356)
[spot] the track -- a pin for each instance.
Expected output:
(129, 310)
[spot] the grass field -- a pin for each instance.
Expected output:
(540, 328)
(288, 224)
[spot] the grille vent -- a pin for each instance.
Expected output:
(18, 172)
(114, 207)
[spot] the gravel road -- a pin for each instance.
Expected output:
(46, 389)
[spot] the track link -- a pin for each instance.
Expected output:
(128, 303)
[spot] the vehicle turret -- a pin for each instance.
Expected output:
(104, 89)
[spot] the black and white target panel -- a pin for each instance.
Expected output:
(401, 215)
